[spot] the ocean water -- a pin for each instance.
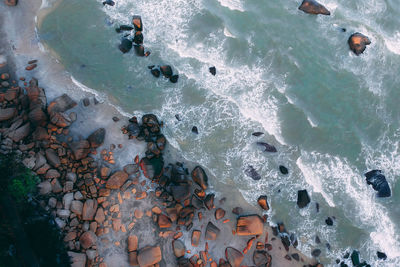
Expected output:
(331, 114)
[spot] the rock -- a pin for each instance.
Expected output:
(329, 221)
(61, 104)
(355, 258)
(67, 200)
(166, 70)
(3, 63)
(152, 168)
(302, 198)
(174, 78)
(139, 50)
(219, 214)
(200, 177)
(89, 209)
(155, 72)
(7, 113)
(109, 2)
(283, 169)
(149, 256)
(212, 231)
(131, 168)
(316, 252)
(88, 239)
(76, 207)
(262, 201)
(96, 139)
(40, 134)
(91, 254)
(313, 7)
(60, 119)
(53, 158)
(44, 187)
(252, 173)
(132, 243)
(195, 130)
(249, 225)
(80, 149)
(164, 221)
(257, 134)
(138, 38)
(134, 129)
(38, 117)
(381, 255)
(262, 258)
(213, 70)
(179, 248)
(132, 258)
(196, 234)
(11, 94)
(63, 214)
(234, 256)
(237, 210)
(358, 43)
(125, 46)
(31, 67)
(378, 182)
(117, 180)
(268, 147)
(209, 201)
(100, 217)
(11, 2)
(137, 23)
(77, 259)
(52, 174)
(20, 133)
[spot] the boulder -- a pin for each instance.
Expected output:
(378, 182)
(209, 201)
(96, 139)
(80, 149)
(219, 214)
(200, 177)
(89, 209)
(155, 72)
(60, 119)
(302, 198)
(132, 243)
(40, 134)
(166, 70)
(358, 43)
(262, 258)
(138, 38)
(164, 221)
(37, 117)
(109, 3)
(249, 225)
(313, 7)
(152, 168)
(77, 259)
(133, 259)
(180, 192)
(179, 248)
(212, 231)
(196, 234)
(149, 256)
(263, 202)
(267, 147)
(117, 180)
(44, 187)
(11, 2)
(52, 158)
(283, 169)
(76, 207)
(125, 46)
(252, 173)
(174, 78)
(88, 239)
(20, 133)
(213, 70)
(234, 256)
(381, 255)
(133, 129)
(196, 202)
(139, 50)
(131, 168)
(99, 217)
(7, 113)
(137, 23)
(61, 104)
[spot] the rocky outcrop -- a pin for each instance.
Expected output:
(302, 198)
(358, 43)
(313, 7)
(149, 256)
(249, 225)
(96, 139)
(378, 182)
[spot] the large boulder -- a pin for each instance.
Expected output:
(137, 23)
(7, 113)
(80, 149)
(263, 202)
(302, 198)
(96, 139)
(212, 231)
(20, 133)
(88, 239)
(89, 209)
(60, 119)
(234, 256)
(53, 158)
(61, 104)
(200, 177)
(117, 180)
(179, 248)
(37, 116)
(378, 182)
(149, 256)
(358, 43)
(249, 225)
(125, 46)
(180, 192)
(262, 258)
(77, 259)
(313, 7)
(132, 243)
(152, 168)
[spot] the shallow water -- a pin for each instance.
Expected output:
(332, 115)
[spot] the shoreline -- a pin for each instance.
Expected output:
(46, 64)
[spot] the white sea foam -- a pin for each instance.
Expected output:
(232, 4)
(393, 43)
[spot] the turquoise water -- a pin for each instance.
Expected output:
(332, 115)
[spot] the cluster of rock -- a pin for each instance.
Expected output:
(166, 71)
(128, 42)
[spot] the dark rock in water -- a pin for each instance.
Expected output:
(358, 43)
(134, 129)
(115, 119)
(343, 29)
(329, 221)
(317, 206)
(257, 134)
(147, 53)
(155, 72)
(296, 256)
(178, 117)
(150, 67)
(328, 246)
(355, 258)
(138, 39)
(195, 130)
(86, 102)
(283, 169)
(313, 7)
(123, 28)
(96, 139)
(316, 252)
(346, 256)
(152, 168)
(263, 202)
(268, 147)
(252, 173)
(199, 176)
(317, 240)
(302, 198)
(209, 201)
(139, 49)
(174, 78)
(166, 71)
(61, 104)
(381, 255)
(108, 2)
(137, 22)
(125, 46)
(180, 192)
(196, 202)
(378, 182)
(213, 70)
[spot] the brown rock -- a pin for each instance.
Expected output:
(133, 258)
(52, 173)
(61, 104)
(20, 133)
(88, 239)
(117, 180)
(77, 259)
(80, 149)
(100, 217)
(313, 7)
(137, 22)
(212, 231)
(60, 119)
(179, 248)
(7, 113)
(40, 134)
(11, 2)
(96, 139)
(196, 238)
(200, 177)
(89, 210)
(262, 258)
(132, 243)
(105, 172)
(37, 116)
(30, 67)
(209, 201)
(233, 256)
(249, 225)
(11, 94)
(262, 201)
(358, 43)
(149, 256)
(131, 168)
(164, 221)
(76, 207)
(53, 158)
(219, 214)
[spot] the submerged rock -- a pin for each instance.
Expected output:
(329, 221)
(313, 7)
(283, 169)
(249, 225)
(125, 46)
(381, 255)
(358, 43)
(174, 78)
(96, 139)
(139, 49)
(252, 173)
(302, 198)
(195, 130)
(108, 2)
(166, 70)
(268, 147)
(257, 134)
(378, 182)
(149, 256)
(213, 70)
(200, 177)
